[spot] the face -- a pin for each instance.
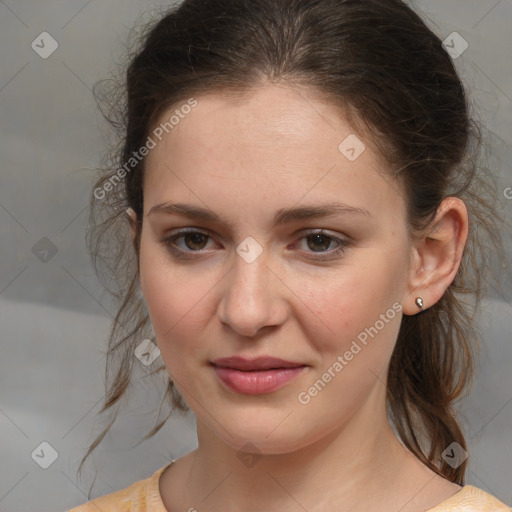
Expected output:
(259, 280)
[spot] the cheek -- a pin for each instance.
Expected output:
(357, 311)
(363, 314)
(176, 299)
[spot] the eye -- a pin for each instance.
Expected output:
(320, 240)
(195, 241)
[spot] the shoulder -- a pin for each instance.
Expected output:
(471, 499)
(119, 501)
(141, 496)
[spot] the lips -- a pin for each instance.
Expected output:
(260, 363)
(256, 376)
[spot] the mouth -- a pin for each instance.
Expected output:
(260, 363)
(256, 376)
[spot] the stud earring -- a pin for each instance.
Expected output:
(419, 303)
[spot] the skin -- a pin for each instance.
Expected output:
(244, 160)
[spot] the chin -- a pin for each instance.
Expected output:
(265, 434)
(262, 445)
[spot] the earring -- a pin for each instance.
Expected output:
(419, 303)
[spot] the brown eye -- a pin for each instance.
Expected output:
(192, 242)
(319, 241)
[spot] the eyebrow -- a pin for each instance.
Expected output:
(282, 216)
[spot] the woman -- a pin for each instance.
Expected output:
(298, 179)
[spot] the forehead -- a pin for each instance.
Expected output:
(270, 117)
(274, 141)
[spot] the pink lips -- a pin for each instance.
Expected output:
(256, 376)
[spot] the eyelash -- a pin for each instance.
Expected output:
(169, 243)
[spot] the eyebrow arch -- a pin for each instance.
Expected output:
(282, 216)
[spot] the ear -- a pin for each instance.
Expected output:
(132, 219)
(437, 255)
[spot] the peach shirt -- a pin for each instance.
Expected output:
(144, 496)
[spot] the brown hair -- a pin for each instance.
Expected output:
(380, 62)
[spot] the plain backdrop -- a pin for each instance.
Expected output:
(54, 317)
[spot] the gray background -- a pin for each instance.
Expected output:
(54, 318)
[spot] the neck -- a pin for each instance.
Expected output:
(350, 466)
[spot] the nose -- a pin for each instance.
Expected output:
(253, 297)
